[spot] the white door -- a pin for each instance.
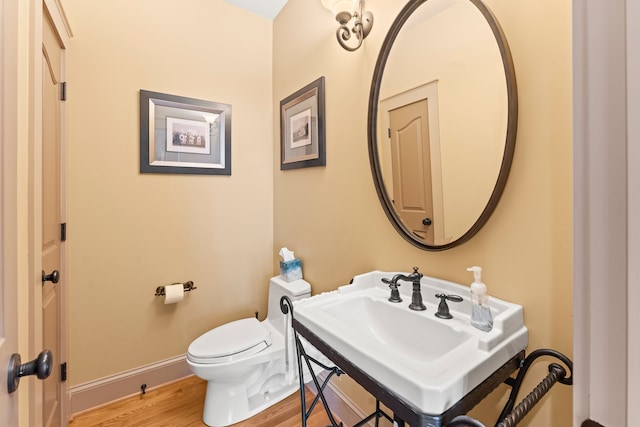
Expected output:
(412, 187)
(8, 278)
(8, 211)
(429, 93)
(51, 220)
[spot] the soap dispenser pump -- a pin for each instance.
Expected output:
(481, 317)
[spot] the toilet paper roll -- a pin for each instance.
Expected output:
(173, 293)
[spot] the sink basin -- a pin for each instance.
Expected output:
(388, 324)
(427, 361)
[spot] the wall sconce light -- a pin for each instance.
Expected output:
(346, 12)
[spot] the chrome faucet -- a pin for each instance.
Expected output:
(416, 296)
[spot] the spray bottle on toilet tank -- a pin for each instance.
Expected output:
(481, 317)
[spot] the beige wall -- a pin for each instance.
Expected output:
(331, 215)
(129, 233)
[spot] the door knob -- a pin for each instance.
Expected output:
(426, 221)
(41, 367)
(53, 277)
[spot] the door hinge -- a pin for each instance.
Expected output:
(389, 132)
(63, 91)
(63, 232)
(63, 372)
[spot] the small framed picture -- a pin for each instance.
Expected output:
(181, 135)
(302, 128)
(188, 136)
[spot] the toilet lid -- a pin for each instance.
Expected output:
(231, 341)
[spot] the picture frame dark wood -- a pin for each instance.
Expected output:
(180, 135)
(302, 127)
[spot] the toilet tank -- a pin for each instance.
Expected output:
(295, 290)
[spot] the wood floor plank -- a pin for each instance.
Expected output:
(180, 404)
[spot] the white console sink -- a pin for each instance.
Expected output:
(427, 361)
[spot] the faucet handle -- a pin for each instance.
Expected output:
(393, 284)
(415, 271)
(443, 308)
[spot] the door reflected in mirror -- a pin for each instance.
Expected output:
(443, 115)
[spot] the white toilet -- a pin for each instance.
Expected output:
(244, 361)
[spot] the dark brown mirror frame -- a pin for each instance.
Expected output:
(512, 124)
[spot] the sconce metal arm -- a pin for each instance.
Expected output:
(363, 21)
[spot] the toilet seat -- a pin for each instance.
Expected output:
(229, 342)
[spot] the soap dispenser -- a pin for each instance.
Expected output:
(481, 317)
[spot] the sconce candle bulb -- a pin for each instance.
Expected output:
(337, 6)
(346, 12)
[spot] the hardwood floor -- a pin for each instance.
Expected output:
(180, 404)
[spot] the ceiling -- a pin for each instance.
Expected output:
(265, 8)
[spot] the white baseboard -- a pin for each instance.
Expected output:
(115, 387)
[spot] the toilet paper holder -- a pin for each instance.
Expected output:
(188, 287)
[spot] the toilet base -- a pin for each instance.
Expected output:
(225, 405)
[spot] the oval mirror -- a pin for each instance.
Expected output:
(442, 120)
